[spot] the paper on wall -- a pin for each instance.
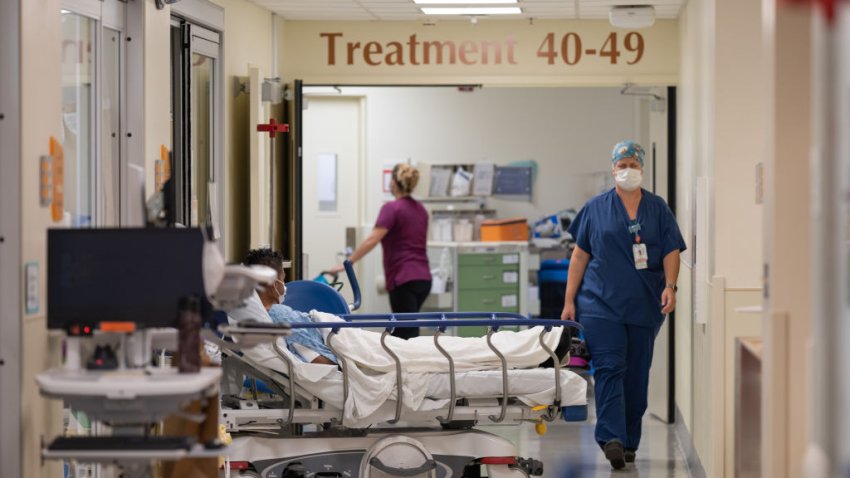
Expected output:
(483, 179)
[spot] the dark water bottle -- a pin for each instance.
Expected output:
(189, 335)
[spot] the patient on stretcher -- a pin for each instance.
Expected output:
(264, 306)
(309, 345)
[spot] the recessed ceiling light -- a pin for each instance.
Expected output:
(463, 2)
(472, 11)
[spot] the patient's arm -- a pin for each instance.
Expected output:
(323, 360)
(310, 355)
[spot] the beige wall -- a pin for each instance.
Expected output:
(787, 322)
(739, 129)
(721, 137)
(41, 109)
(693, 354)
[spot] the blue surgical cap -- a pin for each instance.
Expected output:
(627, 149)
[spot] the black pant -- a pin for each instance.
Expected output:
(409, 297)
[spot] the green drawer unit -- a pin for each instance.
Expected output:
(489, 301)
(488, 259)
(487, 282)
(489, 277)
(486, 301)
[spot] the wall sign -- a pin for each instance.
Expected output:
(588, 52)
(568, 48)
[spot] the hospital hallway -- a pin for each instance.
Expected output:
(568, 450)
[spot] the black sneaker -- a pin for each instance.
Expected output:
(615, 454)
(630, 455)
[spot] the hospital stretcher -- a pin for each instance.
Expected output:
(303, 430)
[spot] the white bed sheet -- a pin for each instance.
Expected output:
(424, 391)
(372, 393)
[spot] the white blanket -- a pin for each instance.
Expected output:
(372, 374)
(521, 349)
(372, 371)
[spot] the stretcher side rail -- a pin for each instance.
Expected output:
(442, 321)
(272, 419)
(283, 384)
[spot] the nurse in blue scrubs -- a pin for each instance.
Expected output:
(621, 285)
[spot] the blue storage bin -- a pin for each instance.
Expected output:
(554, 264)
(575, 413)
(551, 280)
(553, 270)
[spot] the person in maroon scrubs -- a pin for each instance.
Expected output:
(402, 230)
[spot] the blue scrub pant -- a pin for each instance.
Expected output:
(621, 356)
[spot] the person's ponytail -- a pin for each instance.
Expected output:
(406, 178)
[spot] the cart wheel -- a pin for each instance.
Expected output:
(472, 470)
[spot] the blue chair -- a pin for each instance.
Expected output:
(307, 295)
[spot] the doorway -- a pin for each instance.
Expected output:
(196, 114)
(565, 133)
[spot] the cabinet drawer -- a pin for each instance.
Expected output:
(488, 277)
(488, 259)
(488, 301)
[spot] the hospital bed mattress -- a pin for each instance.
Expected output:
(529, 383)
(532, 386)
(433, 390)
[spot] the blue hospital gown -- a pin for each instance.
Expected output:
(613, 289)
(310, 338)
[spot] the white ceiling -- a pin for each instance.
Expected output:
(407, 10)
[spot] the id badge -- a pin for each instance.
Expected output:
(641, 257)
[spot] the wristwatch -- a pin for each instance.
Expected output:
(672, 286)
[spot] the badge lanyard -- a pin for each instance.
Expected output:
(638, 248)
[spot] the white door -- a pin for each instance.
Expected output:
(332, 177)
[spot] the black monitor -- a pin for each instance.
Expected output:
(121, 275)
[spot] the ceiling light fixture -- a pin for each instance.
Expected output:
(635, 16)
(472, 11)
(463, 2)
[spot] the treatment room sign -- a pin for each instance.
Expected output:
(586, 52)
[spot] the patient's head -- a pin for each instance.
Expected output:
(274, 293)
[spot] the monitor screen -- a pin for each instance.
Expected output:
(121, 275)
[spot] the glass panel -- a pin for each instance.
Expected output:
(201, 121)
(78, 86)
(110, 173)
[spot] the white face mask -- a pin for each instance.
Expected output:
(280, 295)
(628, 179)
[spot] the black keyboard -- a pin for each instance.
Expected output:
(133, 443)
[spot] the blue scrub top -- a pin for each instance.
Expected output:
(613, 289)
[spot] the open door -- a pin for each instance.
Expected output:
(292, 169)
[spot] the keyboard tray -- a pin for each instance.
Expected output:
(122, 443)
